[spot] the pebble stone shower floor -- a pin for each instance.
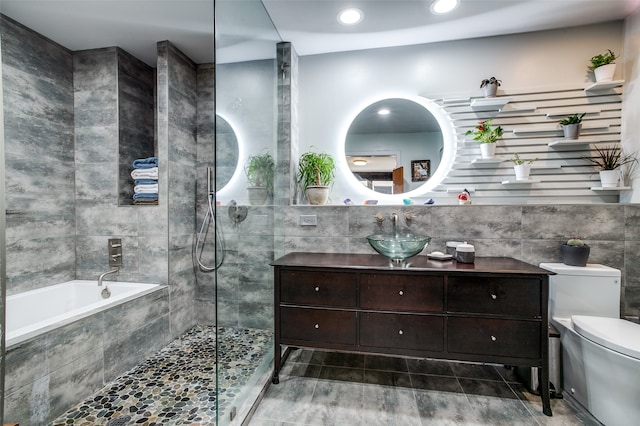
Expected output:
(177, 385)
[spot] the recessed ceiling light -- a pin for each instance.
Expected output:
(384, 111)
(359, 162)
(350, 16)
(443, 6)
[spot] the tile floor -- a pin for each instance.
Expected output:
(331, 389)
(177, 385)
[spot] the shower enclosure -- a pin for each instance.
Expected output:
(246, 116)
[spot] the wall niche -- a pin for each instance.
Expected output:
(114, 96)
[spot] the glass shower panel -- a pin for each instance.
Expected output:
(245, 130)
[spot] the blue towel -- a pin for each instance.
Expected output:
(146, 196)
(145, 182)
(145, 163)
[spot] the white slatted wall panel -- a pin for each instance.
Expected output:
(530, 122)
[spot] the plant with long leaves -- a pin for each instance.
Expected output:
(315, 169)
(600, 60)
(573, 119)
(611, 158)
(260, 171)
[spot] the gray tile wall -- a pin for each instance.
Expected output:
(177, 123)
(530, 233)
(39, 162)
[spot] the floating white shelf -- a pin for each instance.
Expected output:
(489, 104)
(556, 129)
(520, 182)
(567, 112)
(487, 161)
(609, 189)
(571, 142)
(449, 101)
(604, 85)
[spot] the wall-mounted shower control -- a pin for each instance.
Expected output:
(115, 252)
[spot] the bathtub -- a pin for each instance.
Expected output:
(35, 312)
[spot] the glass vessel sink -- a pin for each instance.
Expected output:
(398, 246)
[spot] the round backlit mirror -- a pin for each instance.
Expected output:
(226, 152)
(394, 146)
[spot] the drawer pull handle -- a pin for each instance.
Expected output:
(316, 326)
(401, 293)
(400, 332)
(493, 296)
(317, 288)
(493, 338)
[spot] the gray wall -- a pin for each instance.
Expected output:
(39, 164)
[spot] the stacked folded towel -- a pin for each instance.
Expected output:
(145, 175)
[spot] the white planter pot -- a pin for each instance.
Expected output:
(490, 90)
(317, 195)
(605, 72)
(257, 195)
(609, 178)
(522, 171)
(572, 131)
(488, 150)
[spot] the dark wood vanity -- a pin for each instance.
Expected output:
(494, 310)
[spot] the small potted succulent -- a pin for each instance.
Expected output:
(608, 160)
(522, 167)
(260, 171)
(316, 172)
(490, 87)
(572, 125)
(603, 66)
(487, 136)
(575, 252)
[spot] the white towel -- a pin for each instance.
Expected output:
(151, 173)
(145, 189)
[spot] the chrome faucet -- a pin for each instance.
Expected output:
(101, 277)
(394, 221)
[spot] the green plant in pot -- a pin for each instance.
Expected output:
(575, 252)
(487, 136)
(609, 160)
(572, 125)
(522, 167)
(490, 86)
(260, 171)
(603, 66)
(316, 172)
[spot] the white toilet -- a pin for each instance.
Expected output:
(600, 351)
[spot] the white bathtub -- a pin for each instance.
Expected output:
(35, 312)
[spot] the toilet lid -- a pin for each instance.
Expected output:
(616, 334)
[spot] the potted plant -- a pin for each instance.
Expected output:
(609, 160)
(603, 66)
(574, 252)
(260, 171)
(490, 86)
(316, 172)
(522, 167)
(572, 125)
(487, 135)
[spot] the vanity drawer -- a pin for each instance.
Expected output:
(317, 325)
(402, 331)
(402, 292)
(318, 288)
(497, 337)
(519, 296)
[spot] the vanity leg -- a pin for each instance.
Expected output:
(543, 379)
(277, 361)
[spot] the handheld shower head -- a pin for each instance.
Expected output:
(210, 187)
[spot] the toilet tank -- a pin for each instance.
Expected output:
(590, 290)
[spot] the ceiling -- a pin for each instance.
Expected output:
(245, 32)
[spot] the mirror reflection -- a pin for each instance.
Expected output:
(226, 152)
(394, 146)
